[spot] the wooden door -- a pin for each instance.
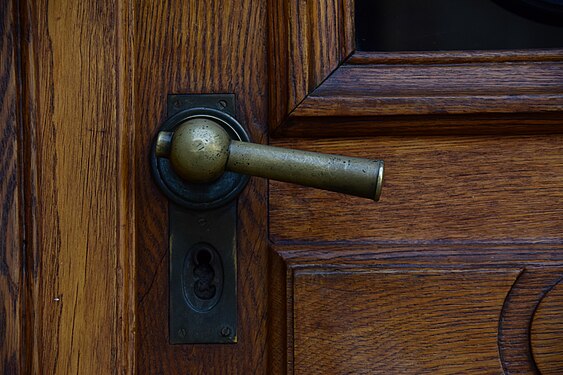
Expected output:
(456, 270)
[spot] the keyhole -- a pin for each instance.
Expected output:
(204, 275)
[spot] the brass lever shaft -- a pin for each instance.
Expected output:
(200, 151)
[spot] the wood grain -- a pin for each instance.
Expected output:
(11, 244)
(191, 47)
(320, 85)
(439, 189)
(547, 332)
(308, 40)
(384, 90)
(455, 211)
(515, 347)
(77, 125)
(425, 125)
(340, 268)
(454, 57)
(398, 321)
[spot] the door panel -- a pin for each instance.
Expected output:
(444, 274)
(367, 308)
(447, 188)
(400, 321)
(456, 268)
(471, 204)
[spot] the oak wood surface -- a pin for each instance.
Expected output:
(462, 217)
(422, 125)
(398, 321)
(75, 106)
(475, 202)
(383, 89)
(307, 41)
(191, 47)
(11, 259)
(481, 189)
(337, 269)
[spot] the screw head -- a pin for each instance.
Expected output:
(222, 104)
(225, 331)
(182, 332)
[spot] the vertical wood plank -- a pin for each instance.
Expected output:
(192, 47)
(10, 198)
(126, 312)
(78, 126)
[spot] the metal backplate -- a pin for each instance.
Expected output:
(203, 299)
(181, 108)
(202, 222)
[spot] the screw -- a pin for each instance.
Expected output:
(222, 104)
(202, 221)
(182, 332)
(177, 103)
(225, 331)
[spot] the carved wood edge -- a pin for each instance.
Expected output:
(517, 316)
(320, 85)
(545, 329)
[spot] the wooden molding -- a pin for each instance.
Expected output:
(432, 89)
(308, 40)
(316, 76)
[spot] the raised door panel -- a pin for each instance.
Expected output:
(415, 309)
(398, 321)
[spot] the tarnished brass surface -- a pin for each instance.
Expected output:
(200, 151)
(163, 143)
(354, 176)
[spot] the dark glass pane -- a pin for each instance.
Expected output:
(433, 25)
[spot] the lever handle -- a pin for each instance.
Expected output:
(200, 151)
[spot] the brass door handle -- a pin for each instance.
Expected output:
(200, 151)
(201, 160)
